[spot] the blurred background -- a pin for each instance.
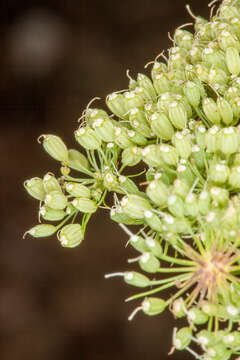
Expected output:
(55, 56)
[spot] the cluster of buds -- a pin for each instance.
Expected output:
(182, 126)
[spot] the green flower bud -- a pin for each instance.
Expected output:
(236, 159)
(169, 154)
(211, 110)
(211, 139)
(197, 316)
(42, 230)
(49, 214)
(228, 140)
(178, 115)
(135, 206)
(122, 138)
(139, 243)
(225, 111)
(139, 122)
(104, 129)
(191, 205)
(55, 147)
(218, 352)
(186, 174)
(110, 180)
(181, 188)
(195, 54)
(158, 68)
(204, 202)
(136, 137)
(198, 157)
(35, 188)
(146, 84)
(136, 279)
(182, 144)
(153, 220)
(200, 134)
(217, 76)
(152, 155)
(127, 185)
(70, 235)
(176, 61)
(77, 190)
(118, 216)
(178, 308)
(161, 83)
(149, 263)
(233, 60)
(202, 72)
(50, 183)
(56, 200)
(87, 138)
(92, 114)
(192, 93)
(154, 246)
(228, 11)
(234, 177)
(77, 161)
(219, 195)
(153, 306)
(232, 340)
(219, 173)
(183, 39)
(164, 102)
(157, 191)
(227, 40)
(115, 102)
(206, 338)
(131, 156)
(176, 206)
(161, 126)
(85, 205)
(175, 225)
(182, 338)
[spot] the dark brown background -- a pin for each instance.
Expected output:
(55, 56)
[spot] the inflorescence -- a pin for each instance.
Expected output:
(182, 127)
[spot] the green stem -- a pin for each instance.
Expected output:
(176, 261)
(175, 270)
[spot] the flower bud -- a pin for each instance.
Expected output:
(121, 138)
(186, 174)
(77, 161)
(234, 177)
(139, 243)
(218, 173)
(158, 68)
(211, 110)
(183, 39)
(226, 39)
(136, 279)
(157, 192)
(153, 306)
(104, 129)
(152, 155)
(49, 214)
(110, 181)
(139, 122)
(56, 200)
(211, 139)
(35, 188)
(200, 133)
(204, 202)
(115, 102)
(136, 137)
(118, 216)
(206, 338)
(153, 220)
(161, 83)
(232, 340)
(178, 115)
(225, 111)
(161, 126)
(70, 235)
(182, 338)
(55, 147)
(233, 60)
(182, 144)
(197, 316)
(168, 154)
(131, 156)
(192, 93)
(218, 352)
(135, 206)
(77, 190)
(85, 205)
(146, 84)
(175, 225)
(176, 206)
(219, 195)
(228, 141)
(149, 263)
(154, 246)
(191, 205)
(42, 230)
(50, 183)
(202, 72)
(127, 185)
(164, 102)
(87, 138)
(181, 188)
(178, 308)
(92, 114)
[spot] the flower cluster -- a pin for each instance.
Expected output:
(182, 126)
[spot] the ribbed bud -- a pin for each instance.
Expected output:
(183, 39)
(182, 144)
(146, 84)
(50, 183)
(136, 279)
(226, 40)
(234, 177)
(219, 195)
(139, 122)
(153, 306)
(119, 216)
(192, 93)
(77, 189)
(182, 338)
(219, 173)
(154, 246)
(153, 220)
(161, 126)
(157, 191)
(127, 185)
(135, 206)
(104, 129)
(211, 110)
(233, 60)
(149, 263)
(35, 188)
(42, 230)
(197, 316)
(225, 111)
(178, 115)
(136, 137)
(55, 147)
(191, 205)
(70, 235)
(204, 202)
(152, 155)
(228, 140)
(77, 161)
(110, 181)
(178, 308)
(161, 83)
(87, 138)
(122, 138)
(56, 200)
(49, 214)
(168, 154)
(211, 139)
(115, 102)
(139, 243)
(85, 205)
(132, 100)
(181, 188)
(176, 206)
(131, 156)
